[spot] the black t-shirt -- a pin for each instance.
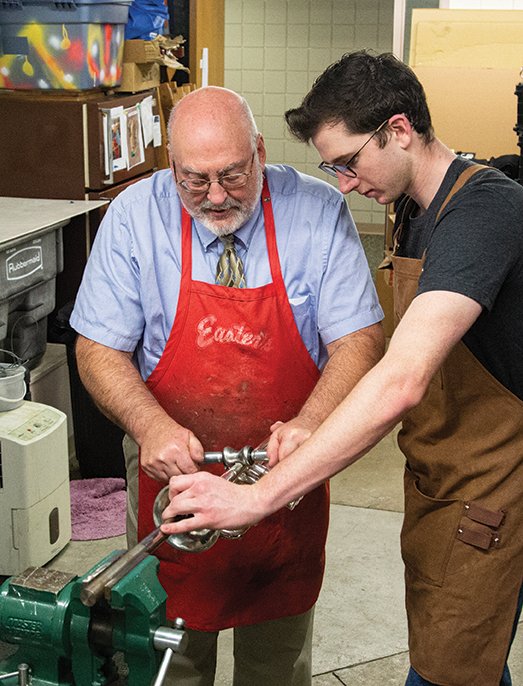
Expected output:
(476, 249)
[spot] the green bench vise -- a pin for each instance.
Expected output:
(68, 638)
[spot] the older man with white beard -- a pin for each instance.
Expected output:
(226, 301)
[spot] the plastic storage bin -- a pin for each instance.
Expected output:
(12, 386)
(28, 270)
(61, 45)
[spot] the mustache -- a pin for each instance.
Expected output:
(227, 204)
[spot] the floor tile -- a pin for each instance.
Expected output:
(360, 614)
(374, 481)
(390, 671)
(329, 679)
(224, 666)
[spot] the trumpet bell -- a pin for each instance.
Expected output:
(188, 541)
(199, 540)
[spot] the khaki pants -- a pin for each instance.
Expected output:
(132, 463)
(274, 653)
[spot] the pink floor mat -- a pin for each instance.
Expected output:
(97, 508)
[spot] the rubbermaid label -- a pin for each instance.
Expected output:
(24, 262)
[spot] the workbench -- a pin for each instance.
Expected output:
(21, 218)
(31, 256)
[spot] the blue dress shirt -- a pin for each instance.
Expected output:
(129, 292)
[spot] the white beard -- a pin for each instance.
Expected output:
(243, 211)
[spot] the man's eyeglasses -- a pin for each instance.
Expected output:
(345, 169)
(229, 182)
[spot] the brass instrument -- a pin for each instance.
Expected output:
(246, 467)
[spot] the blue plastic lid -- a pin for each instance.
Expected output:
(69, 5)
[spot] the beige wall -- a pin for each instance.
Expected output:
(274, 49)
(483, 4)
(469, 62)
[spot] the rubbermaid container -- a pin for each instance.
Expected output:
(28, 269)
(61, 45)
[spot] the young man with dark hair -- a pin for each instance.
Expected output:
(357, 91)
(452, 373)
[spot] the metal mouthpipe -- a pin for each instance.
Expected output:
(230, 457)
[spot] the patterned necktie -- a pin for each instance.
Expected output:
(229, 271)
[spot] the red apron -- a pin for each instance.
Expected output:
(233, 365)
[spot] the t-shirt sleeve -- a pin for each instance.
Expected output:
(473, 246)
(107, 308)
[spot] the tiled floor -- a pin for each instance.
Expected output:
(360, 633)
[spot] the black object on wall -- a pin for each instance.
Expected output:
(179, 25)
(519, 129)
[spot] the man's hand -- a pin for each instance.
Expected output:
(121, 394)
(214, 503)
(285, 438)
(169, 449)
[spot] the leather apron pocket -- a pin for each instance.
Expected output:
(429, 532)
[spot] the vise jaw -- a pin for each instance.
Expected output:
(66, 643)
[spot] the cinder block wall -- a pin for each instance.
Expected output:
(274, 49)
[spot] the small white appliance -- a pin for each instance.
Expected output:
(35, 504)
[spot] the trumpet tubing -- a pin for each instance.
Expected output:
(202, 539)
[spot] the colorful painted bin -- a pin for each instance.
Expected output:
(61, 45)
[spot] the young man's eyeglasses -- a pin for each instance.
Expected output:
(229, 182)
(345, 169)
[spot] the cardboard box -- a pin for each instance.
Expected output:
(384, 288)
(168, 94)
(162, 49)
(139, 77)
(140, 51)
(142, 60)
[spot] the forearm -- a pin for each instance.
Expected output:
(350, 431)
(434, 323)
(118, 389)
(350, 358)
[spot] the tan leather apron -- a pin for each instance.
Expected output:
(462, 537)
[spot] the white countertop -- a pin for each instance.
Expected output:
(20, 217)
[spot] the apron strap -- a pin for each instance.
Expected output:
(409, 204)
(461, 181)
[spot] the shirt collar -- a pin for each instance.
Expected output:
(243, 235)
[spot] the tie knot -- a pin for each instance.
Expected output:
(228, 240)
